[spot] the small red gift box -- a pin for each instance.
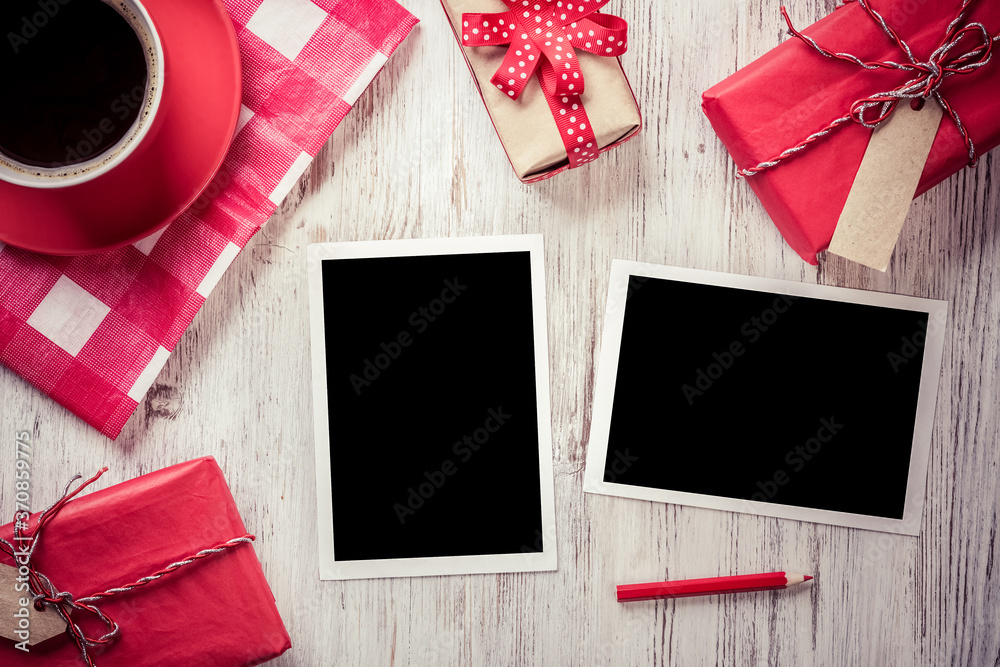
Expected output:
(790, 93)
(217, 610)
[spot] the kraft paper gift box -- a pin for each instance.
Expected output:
(525, 123)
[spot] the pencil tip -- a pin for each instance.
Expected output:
(806, 577)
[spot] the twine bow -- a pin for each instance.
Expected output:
(544, 36)
(928, 76)
(45, 594)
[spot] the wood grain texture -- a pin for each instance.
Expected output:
(418, 158)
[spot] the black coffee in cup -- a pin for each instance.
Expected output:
(73, 80)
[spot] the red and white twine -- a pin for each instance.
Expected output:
(44, 593)
(926, 84)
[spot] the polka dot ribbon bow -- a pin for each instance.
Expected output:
(544, 35)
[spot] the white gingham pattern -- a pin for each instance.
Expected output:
(94, 331)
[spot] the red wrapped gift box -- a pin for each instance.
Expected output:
(215, 611)
(793, 91)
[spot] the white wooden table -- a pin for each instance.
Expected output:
(417, 157)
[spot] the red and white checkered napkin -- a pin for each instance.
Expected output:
(93, 332)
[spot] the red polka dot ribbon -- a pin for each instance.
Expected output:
(544, 36)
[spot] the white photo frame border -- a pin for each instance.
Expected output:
(607, 371)
(330, 568)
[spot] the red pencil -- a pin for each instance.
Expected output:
(684, 588)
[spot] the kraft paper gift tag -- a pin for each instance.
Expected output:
(28, 625)
(883, 189)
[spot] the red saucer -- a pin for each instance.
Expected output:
(175, 162)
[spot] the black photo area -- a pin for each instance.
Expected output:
(72, 77)
(432, 403)
(765, 397)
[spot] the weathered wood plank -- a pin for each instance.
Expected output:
(418, 158)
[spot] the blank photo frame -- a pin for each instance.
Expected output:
(766, 397)
(431, 403)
